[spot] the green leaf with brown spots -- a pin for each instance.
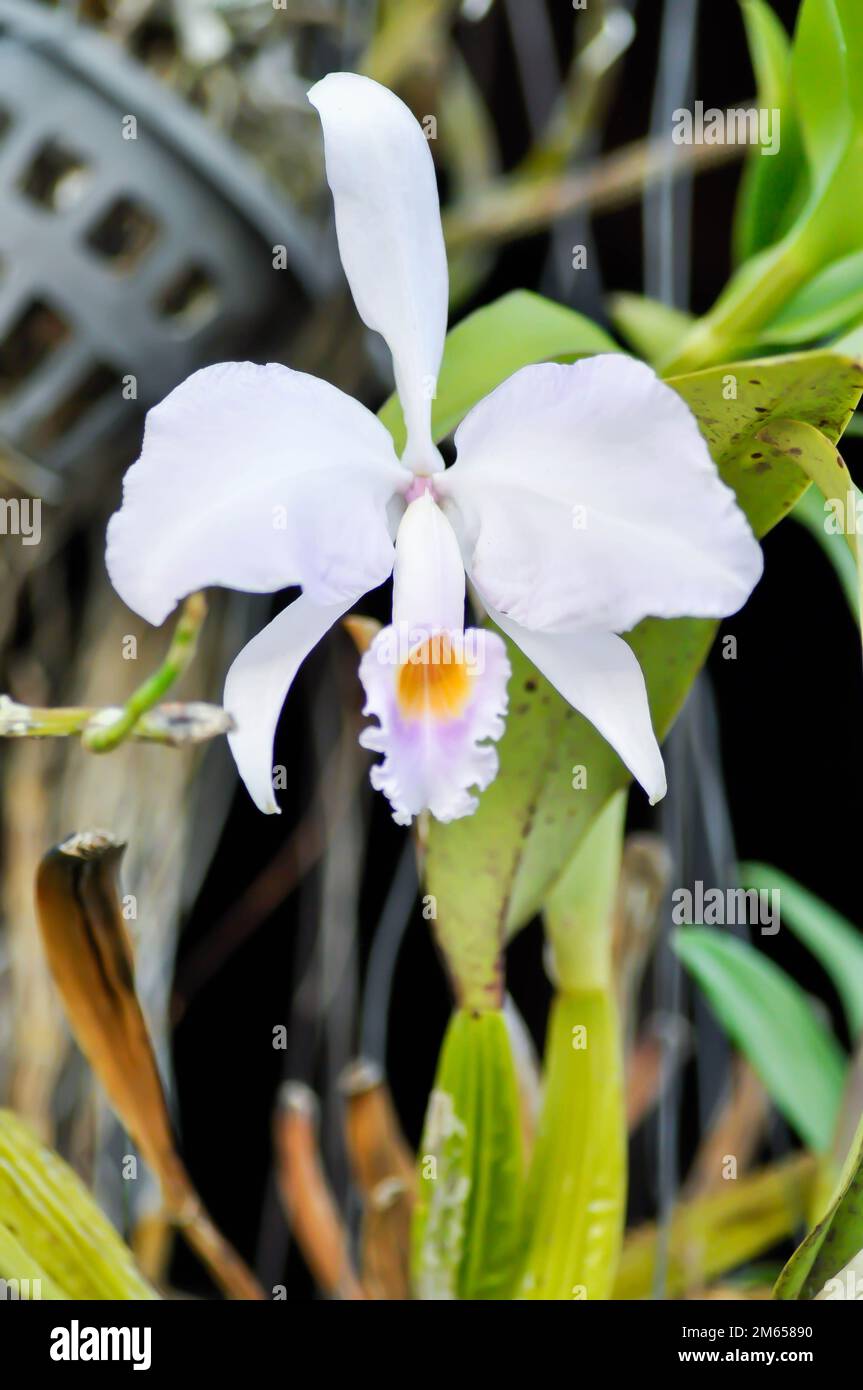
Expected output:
(834, 1241)
(490, 873)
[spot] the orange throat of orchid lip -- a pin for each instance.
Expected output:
(434, 680)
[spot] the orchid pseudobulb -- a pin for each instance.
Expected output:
(582, 499)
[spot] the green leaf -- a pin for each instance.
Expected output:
(579, 912)
(771, 184)
(772, 1022)
(492, 871)
(851, 343)
(827, 59)
(492, 343)
(652, 328)
(824, 305)
(854, 428)
(47, 1210)
(711, 1235)
(826, 63)
(21, 1273)
(576, 1191)
(835, 943)
(821, 462)
(468, 1219)
(769, 52)
(835, 1240)
(809, 513)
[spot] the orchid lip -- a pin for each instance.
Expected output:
(439, 713)
(434, 681)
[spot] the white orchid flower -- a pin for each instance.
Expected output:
(582, 499)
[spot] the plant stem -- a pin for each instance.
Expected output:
(103, 738)
(519, 205)
(173, 725)
(579, 909)
(748, 302)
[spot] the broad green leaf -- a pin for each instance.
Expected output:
(771, 1021)
(835, 1240)
(48, 1211)
(492, 343)
(713, 1235)
(652, 328)
(809, 513)
(824, 305)
(771, 184)
(576, 1191)
(492, 871)
(468, 1220)
(835, 943)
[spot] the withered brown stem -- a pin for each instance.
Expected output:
(90, 957)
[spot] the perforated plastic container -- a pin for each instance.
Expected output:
(135, 244)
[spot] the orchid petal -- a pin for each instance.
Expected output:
(388, 224)
(257, 685)
(585, 497)
(600, 676)
(435, 720)
(255, 478)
